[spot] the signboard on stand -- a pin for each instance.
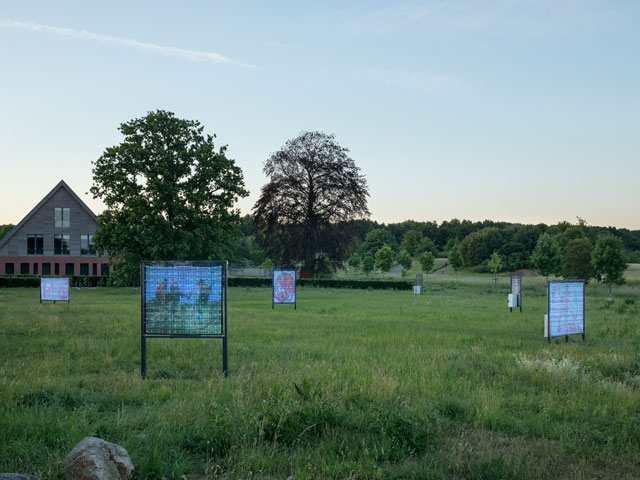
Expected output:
(566, 312)
(515, 297)
(54, 288)
(284, 287)
(417, 289)
(182, 299)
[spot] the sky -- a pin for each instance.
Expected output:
(510, 110)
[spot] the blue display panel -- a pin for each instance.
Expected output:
(183, 299)
(566, 308)
(56, 289)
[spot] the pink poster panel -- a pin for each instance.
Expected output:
(284, 286)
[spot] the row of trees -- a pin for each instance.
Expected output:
(171, 194)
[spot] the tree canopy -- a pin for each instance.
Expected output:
(315, 189)
(547, 256)
(609, 259)
(169, 194)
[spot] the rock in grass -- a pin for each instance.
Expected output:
(17, 476)
(97, 459)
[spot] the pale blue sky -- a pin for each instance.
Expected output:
(514, 110)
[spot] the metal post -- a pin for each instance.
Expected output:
(143, 359)
(225, 363)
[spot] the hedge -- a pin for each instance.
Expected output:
(325, 283)
(33, 281)
(30, 281)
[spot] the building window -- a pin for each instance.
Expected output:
(63, 217)
(57, 269)
(24, 269)
(46, 269)
(8, 268)
(84, 269)
(95, 269)
(86, 245)
(104, 269)
(69, 269)
(61, 244)
(35, 244)
(35, 268)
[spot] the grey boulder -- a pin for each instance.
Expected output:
(97, 459)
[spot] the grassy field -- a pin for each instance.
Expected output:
(354, 384)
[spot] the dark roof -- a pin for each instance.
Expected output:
(61, 184)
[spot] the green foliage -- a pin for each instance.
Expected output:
(427, 261)
(323, 283)
(267, 264)
(495, 263)
(455, 258)
(303, 214)
(478, 246)
(354, 261)
(4, 229)
(577, 259)
(375, 240)
(368, 264)
(609, 259)
(31, 281)
(169, 194)
(547, 256)
(384, 258)
(411, 242)
(404, 259)
(427, 245)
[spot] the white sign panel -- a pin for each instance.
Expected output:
(566, 308)
(54, 289)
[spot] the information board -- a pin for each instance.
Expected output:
(183, 299)
(284, 287)
(516, 289)
(566, 308)
(56, 289)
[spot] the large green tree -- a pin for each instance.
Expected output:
(547, 256)
(404, 259)
(577, 259)
(384, 258)
(609, 260)
(456, 260)
(426, 261)
(411, 242)
(315, 189)
(169, 194)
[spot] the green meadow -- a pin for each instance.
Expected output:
(353, 384)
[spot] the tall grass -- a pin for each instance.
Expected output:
(353, 384)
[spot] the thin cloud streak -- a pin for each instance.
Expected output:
(192, 55)
(535, 17)
(429, 83)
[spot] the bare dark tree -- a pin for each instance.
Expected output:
(314, 191)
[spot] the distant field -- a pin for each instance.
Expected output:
(354, 384)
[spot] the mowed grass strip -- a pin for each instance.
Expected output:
(352, 384)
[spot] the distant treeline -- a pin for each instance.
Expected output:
(475, 240)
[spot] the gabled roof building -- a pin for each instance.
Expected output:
(55, 238)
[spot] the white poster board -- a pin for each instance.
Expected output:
(565, 308)
(56, 289)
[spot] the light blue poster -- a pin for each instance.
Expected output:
(566, 308)
(54, 289)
